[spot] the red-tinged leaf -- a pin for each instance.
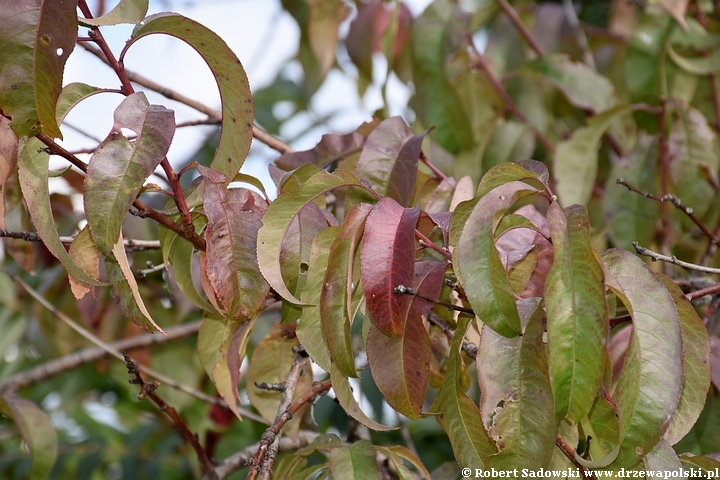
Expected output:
(650, 383)
(235, 96)
(36, 38)
(389, 160)
(386, 261)
(231, 235)
(226, 372)
(363, 38)
(336, 313)
(270, 363)
(331, 148)
(33, 177)
(8, 161)
(309, 331)
(279, 216)
(458, 414)
(516, 396)
(355, 461)
(325, 19)
(706, 463)
(696, 364)
(118, 168)
(127, 11)
(87, 257)
(396, 454)
(663, 458)
(577, 314)
(36, 430)
(344, 394)
(478, 265)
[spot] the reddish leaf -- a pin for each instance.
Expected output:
(226, 372)
(386, 261)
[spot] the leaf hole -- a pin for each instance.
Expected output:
(45, 39)
(59, 52)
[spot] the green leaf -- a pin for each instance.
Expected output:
(355, 461)
(477, 262)
(235, 96)
(577, 314)
(344, 394)
(702, 65)
(576, 159)
(389, 160)
(650, 383)
(36, 430)
(8, 161)
(226, 371)
(325, 19)
(118, 168)
(396, 454)
(336, 313)
(71, 95)
(707, 464)
(36, 38)
(231, 236)
(309, 331)
(662, 458)
(696, 364)
(510, 142)
(516, 396)
(386, 261)
(33, 176)
(458, 414)
(87, 257)
(127, 11)
(278, 218)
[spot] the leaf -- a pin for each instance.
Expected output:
(336, 313)
(87, 257)
(325, 19)
(37, 432)
(118, 168)
(516, 396)
(477, 263)
(386, 261)
(696, 365)
(676, 8)
(330, 149)
(707, 464)
(663, 458)
(126, 11)
(33, 176)
(576, 159)
(344, 394)
(235, 96)
(701, 65)
(577, 314)
(396, 454)
(71, 95)
(231, 236)
(226, 372)
(389, 160)
(309, 332)
(8, 161)
(279, 216)
(458, 414)
(650, 383)
(354, 461)
(36, 38)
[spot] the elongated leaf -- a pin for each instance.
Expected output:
(389, 160)
(325, 18)
(650, 383)
(701, 65)
(458, 414)
(331, 148)
(707, 464)
(577, 314)
(226, 372)
(344, 394)
(336, 314)
(36, 430)
(33, 177)
(118, 168)
(696, 364)
(516, 396)
(576, 159)
(127, 11)
(386, 261)
(477, 262)
(355, 461)
(231, 235)
(235, 96)
(663, 458)
(281, 213)
(86, 255)
(36, 38)
(396, 454)
(8, 161)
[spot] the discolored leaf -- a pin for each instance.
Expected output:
(37, 432)
(707, 464)
(126, 11)
(36, 39)
(650, 383)
(676, 8)
(386, 261)
(235, 96)
(343, 392)
(354, 461)
(389, 160)
(663, 458)
(477, 262)
(231, 236)
(396, 454)
(336, 313)
(325, 18)
(226, 371)
(577, 314)
(331, 148)
(87, 257)
(576, 159)
(8, 161)
(458, 414)
(118, 168)
(278, 218)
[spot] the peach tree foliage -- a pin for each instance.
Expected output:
(435, 263)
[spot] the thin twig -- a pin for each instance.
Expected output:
(440, 175)
(614, 322)
(150, 270)
(654, 256)
(664, 164)
(703, 291)
(426, 242)
(469, 348)
(520, 27)
(403, 290)
(570, 454)
(148, 390)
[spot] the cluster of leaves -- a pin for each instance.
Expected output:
(406, 252)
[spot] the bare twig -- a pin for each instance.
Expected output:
(130, 244)
(440, 175)
(469, 348)
(614, 322)
(570, 454)
(672, 259)
(703, 291)
(520, 27)
(403, 290)
(426, 242)
(148, 390)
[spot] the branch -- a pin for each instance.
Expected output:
(426, 242)
(148, 390)
(130, 244)
(469, 348)
(570, 454)
(403, 290)
(703, 291)
(440, 175)
(520, 27)
(654, 256)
